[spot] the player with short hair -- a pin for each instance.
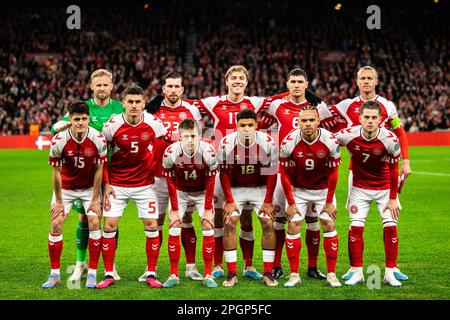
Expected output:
(101, 108)
(285, 112)
(190, 166)
(172, 111)
(248, 175)
(309, 160)
(77, 156)
(349, 109)
(130, 136)
(374, 152)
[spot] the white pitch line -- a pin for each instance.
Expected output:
(432, 173)
(430, 160)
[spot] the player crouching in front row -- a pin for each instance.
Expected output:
(190, 166)
(248, 164)
(77, 157)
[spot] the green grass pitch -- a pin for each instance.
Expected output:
(424, 252)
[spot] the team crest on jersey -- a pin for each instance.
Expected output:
(183, 115)
(145, 136)
(243, 106)
(321, 154)
(353, 209)
(88, 152)
(377, 151)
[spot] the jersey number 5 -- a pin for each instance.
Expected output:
(134, 147)
(79, 162)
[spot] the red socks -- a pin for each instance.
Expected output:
(293, 247)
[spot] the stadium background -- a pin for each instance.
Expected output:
(44, 66)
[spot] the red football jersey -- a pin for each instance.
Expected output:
(77, 159)
(171, 118)
(131, 160)
(248, 166)
(370, 158)
(310, 162)
(224, 111)
(350, 110)
(286, 114)
(190, 171)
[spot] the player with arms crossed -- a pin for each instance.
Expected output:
(190, 166)
(101, 109)
(374, 153)
(248, 161)
(349, 109)
(284, 112)
(309, 160)
(130, 136)
(172, 111)
(77, 156)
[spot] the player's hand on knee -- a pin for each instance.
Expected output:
(57, 209)
(229, 208)
(95, 207)
(208, 219)
(394, 208)
(291, 211)
(330, 209)
(268, 210)
(108, 191)
(174, 216)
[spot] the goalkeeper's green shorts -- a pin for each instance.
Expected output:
(78, 206)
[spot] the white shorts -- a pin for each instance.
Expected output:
(70, 196)
(279, 198)
(359, 202)
(162, 194)
(145, 198)
(189, 201)
(305, 199)
(219, 197)
(249, 198)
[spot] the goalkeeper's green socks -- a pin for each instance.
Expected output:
(82, 240)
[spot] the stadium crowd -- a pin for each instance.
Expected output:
(140, 44)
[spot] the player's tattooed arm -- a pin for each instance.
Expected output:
(58, 207)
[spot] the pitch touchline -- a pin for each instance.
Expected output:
(430, 160)
(432, 173)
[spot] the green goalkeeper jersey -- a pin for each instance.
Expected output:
(98, 115)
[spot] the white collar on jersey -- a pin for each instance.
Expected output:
(79, 142)
(297, 104)
(314, 141)
(376, 97)
(228, 98)
(174, 106)
(133, 125)
(375, 136)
